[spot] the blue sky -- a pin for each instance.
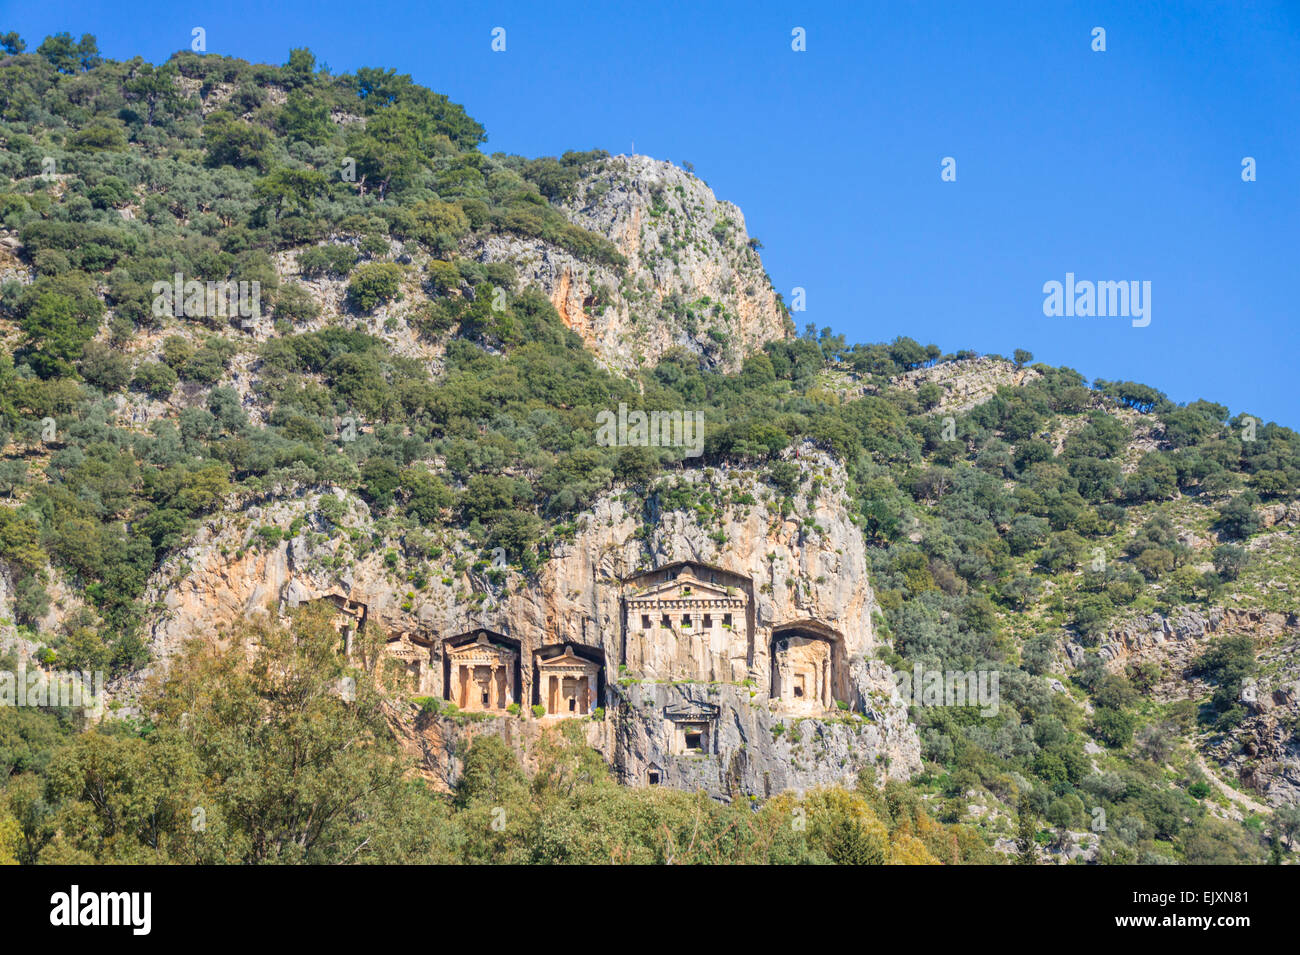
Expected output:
(1122, 165)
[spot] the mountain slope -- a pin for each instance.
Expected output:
(404, 432)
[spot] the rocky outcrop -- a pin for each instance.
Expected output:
(759, 752)
(1263, 751)
(805, 567)
(1172, 636)
(1282, 514)
(967, 382)
(692, 279)
(1174, 639)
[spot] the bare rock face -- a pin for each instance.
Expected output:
(1174, 640)
(1280, 515)
(1156, 634)
(754, 672)
(1263, 751)
(752, 746)
(964, 383)
(967, 382)
(692, 280)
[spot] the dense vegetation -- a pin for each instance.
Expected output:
(264, 762)
(1056, 507)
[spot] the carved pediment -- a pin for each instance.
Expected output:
(686, 588)
(689, 711)
(481, 651)
(568, 660)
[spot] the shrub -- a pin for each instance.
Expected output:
(1113, 727)
(208, 363)
(1228, 662)
(443, 276)
(373, 284)
(104, 367)
(330, 259)
(155, 379)
(294, 303)
(1230, 560)
(1237, 518)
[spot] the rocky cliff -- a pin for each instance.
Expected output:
(801, 567)
(692, 279)
(1261, 753)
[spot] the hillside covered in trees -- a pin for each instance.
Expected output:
(392, 355)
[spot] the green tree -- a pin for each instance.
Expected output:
(68, 56)
(296, 769)
(1026, 837)
(373, 284)
(231, 141)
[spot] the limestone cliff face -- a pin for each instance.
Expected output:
(692, 280)
(963, 383)
(807, 569)
(1175, 640)
(1262, 752)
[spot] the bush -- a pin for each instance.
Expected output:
(294, 303)
(443, 277)
(1228, 662)
(155, 379)
(330, 259)
(1230, 560)
(1113, 727)
(208, 363)
(104, 367)
(1091, 614)
(59, 316)
(379, 480)
(373, 284)
(1237, 518)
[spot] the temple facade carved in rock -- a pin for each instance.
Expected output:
(808, 668)
(568, 684)
(482, 672)
(687, 622)
(694, 654)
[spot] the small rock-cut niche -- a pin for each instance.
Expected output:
(691, 738)
(567, 682)
(482, 671)
(692, 727)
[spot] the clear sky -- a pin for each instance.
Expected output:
(1122, 165)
